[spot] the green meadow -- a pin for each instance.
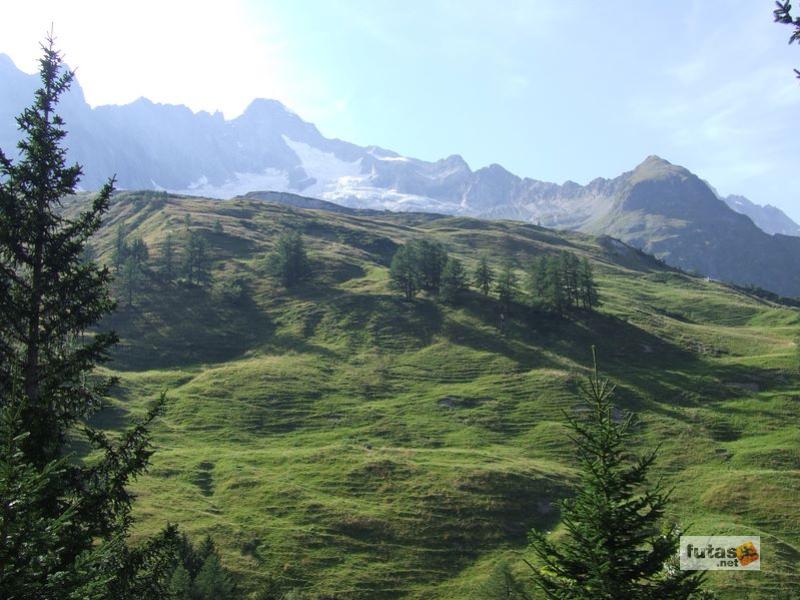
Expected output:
(337, 440)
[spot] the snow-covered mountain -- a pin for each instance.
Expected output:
(270, 148)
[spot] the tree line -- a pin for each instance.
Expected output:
(185, 260)
(558, 282)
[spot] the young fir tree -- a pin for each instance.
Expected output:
(75, 515)
(198, 573)
(503, 585)
(403, 273)
(454, 280)
(615, 544)
(289, 263)
(484, 276)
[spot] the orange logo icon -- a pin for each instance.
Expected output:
(746, 553)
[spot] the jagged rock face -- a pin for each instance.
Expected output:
(659, 207)
(768, 218)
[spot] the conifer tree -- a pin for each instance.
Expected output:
(783, 14)
(403, 273)
(506, 287)
(289, 263)
(430, 258)
(120, 252)
(554, 292)
(454, 280)
(484, 276)
(588, 288)
(133, 271)
(167, 260)
(196, 268)
(570, 266)
(615, 544)
(536, 282)
(75, 515)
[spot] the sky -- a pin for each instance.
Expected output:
(550, 89)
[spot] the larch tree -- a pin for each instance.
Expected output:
(403, 274)
(454, 280)
(484, 276)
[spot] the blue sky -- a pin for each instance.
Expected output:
(553, 90)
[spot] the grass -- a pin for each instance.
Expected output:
(352, 445)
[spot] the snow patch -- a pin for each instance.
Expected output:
(240, 184)
(325, 167)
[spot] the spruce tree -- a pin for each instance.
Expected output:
(783, 14)
(403, 273)
(615, 546)
(76, 515)
(484, 276)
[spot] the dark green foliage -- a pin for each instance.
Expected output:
(132, 275)
(561, 282)
(431, 258)
(404, 273)
(587, 289)
(196, 264)
(616, 546)
(199, 574)
(289, 263)
(454, 280)
(213, 582)
(783, 14)
(232, 291)
(167, 258)
(506, 287)
(63, 525)
(218, 227)
(419, 265)
(484, 276)
(502, 585)
(120, 252)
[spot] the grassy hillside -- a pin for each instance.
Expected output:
(341, 441)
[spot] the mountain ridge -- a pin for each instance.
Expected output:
(269, 147)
